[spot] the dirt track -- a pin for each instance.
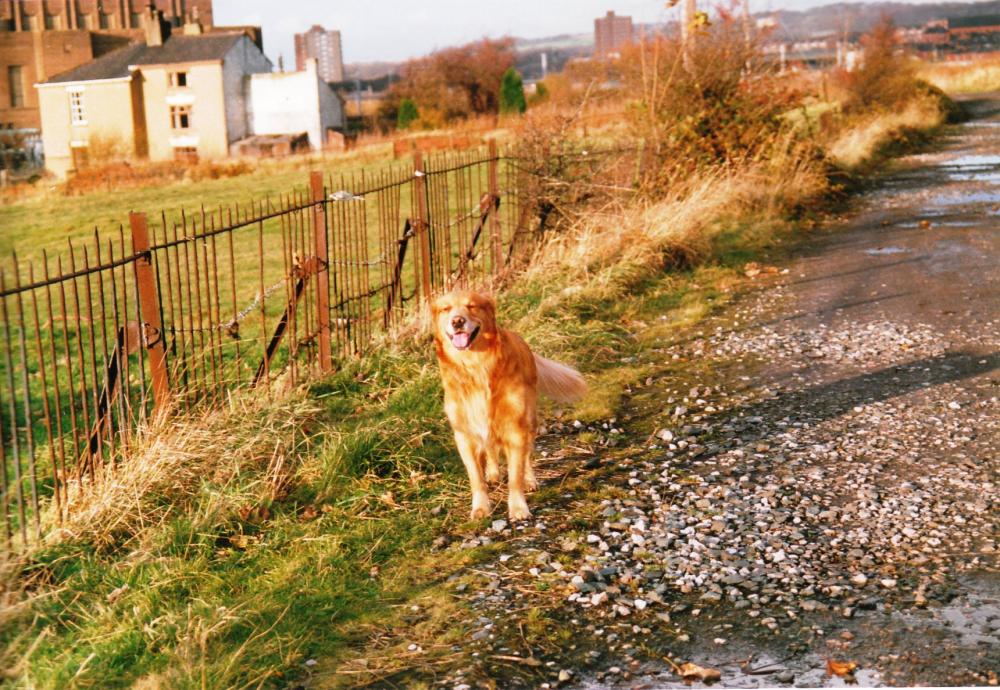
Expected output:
(818, 483)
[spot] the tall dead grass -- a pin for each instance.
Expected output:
(860, 143)
(601, 252)
(217, 464)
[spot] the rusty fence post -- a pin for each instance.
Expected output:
(323, 271)
(151, 329)
(495, 239)
(422, 222)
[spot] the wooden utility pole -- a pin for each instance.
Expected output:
(688, 30)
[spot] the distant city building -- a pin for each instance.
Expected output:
(324, 47)
(611, 32)
(955, 35)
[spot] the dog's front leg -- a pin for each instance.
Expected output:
(517, 462)
(492, 454)
(469, 451)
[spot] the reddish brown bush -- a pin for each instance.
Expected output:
(452, 84)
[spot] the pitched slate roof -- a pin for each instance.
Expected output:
(175, 50)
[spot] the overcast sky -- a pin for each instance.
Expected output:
(394, 30)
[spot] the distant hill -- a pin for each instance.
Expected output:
(793, 24)
(858, 18)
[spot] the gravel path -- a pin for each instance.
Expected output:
(820, 484)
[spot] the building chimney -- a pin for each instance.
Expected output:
(192, 25)
(157, 31)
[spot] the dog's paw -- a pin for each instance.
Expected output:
(530, 483)
(480, 507)
(517, 509)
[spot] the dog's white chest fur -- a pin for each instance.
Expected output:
(470, 415)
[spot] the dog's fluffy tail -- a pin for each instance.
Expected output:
(558, 381)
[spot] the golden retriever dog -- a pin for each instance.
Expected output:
(491, 384)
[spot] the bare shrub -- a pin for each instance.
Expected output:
(125, 175)
(714, 102)
(886, 77)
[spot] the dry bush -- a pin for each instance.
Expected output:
(123, 175)
(886, 77)
(451, 84)
(563, 175)
(715, 102)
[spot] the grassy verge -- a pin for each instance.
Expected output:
(237, 549)
(969, 77)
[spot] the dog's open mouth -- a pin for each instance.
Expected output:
(462, 340)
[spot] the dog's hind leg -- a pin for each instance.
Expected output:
(470, 453)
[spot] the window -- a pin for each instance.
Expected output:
(136, 20)
(180, 116)
(104, 20)
(85, 21)
(7, 25)
(179, 79)
(77, 115)
(185, 154)
(51, 21)
(15, 81)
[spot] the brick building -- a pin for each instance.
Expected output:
(324, 47)
(611, 32)
(42, 38)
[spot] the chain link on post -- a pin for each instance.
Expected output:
(422, 223)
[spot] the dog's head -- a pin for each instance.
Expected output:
(462, 319)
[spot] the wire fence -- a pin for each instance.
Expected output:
(171, 314)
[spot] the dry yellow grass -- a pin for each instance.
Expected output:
(964, 77)
(624, 243)
(861, 143)
(249, 449)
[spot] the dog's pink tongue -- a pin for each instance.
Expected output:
(460, 340)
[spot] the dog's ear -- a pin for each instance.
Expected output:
(437, 305)
(489, 303)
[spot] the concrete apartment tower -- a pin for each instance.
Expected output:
(324, 47)
(611, 32)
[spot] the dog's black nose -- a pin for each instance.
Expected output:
(457, 321)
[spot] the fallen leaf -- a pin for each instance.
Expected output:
(691, 671)
(239, 541)
(309, 513)
(389, 499)
(840, 668)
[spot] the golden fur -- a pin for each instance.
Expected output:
(491, 383)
